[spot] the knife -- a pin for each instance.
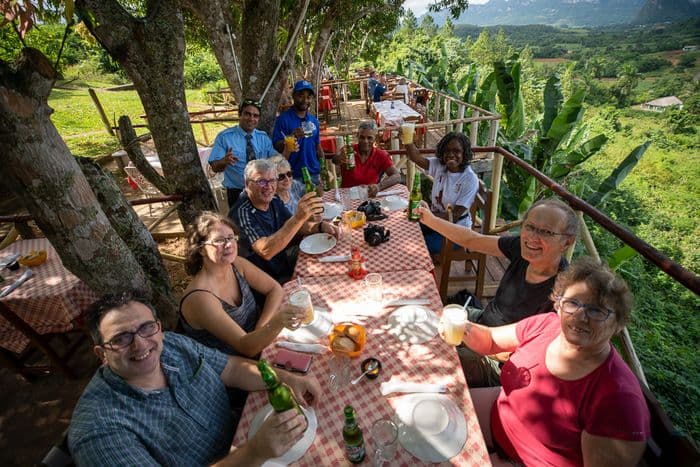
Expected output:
(22, 279)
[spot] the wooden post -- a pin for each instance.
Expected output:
(495, 175)
(204, 133)
(446, 115)
(438, 97)
(460, 114)
(474, 136)
(101, 111)
(585, 238)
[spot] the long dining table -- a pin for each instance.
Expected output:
(405, 250)
(49, 302)
(339, 298)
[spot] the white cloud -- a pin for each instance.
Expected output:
(420, 7)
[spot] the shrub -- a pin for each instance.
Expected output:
(201, 67)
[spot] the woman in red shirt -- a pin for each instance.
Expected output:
(370, 163)
(567, 397)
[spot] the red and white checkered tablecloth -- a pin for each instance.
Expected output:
(431, 362)
(48, 302)
(404, 251)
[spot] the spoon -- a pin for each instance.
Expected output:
(371, 366)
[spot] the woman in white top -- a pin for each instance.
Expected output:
(454, 182)
(402, 87)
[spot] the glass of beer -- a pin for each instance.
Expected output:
(290, 141)
(453, 323)
(406, 132)
(301, 300)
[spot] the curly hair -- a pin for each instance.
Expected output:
(609, 289)
(197, 232)
(99, 308)
(463, 141)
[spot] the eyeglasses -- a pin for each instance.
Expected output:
(253, 102)
(264, 182)
(542, 233)
(282, 176)
(221, 242)
(571, 306)
(125, 339)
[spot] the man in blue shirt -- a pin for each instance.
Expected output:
(267, 228)
(298, 121)
(160, 398)
(235, 146)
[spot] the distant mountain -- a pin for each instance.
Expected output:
(551, 12)
(658, 11)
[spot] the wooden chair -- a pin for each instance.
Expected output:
(667, 446)
(477, 261)
(28, 363)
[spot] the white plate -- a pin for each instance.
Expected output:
(394, 203)
(431, 426)
(414, 324)
(299, 449)
(332, 210)
(317, 243)
(314, 332)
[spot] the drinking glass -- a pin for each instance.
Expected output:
(453, 322)
(301, 300)
(290, 141)
(407, 129)
(339, 371)
(384, 437)
(373, 286)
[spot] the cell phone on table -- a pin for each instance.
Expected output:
(292, 361)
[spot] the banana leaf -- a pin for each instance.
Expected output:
(486, 97)
(621, 255)
(618, 175)
(572, 158)
(552, 102)
(528, 195)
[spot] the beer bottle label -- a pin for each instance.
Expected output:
(355, 453)
(412, 214)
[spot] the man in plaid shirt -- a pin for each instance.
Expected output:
(160, 398)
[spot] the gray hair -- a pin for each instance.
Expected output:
(281, 163)
(570, 217)
(258, 165)
(367, 125)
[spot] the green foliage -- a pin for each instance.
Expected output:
(618, 175)
(201, 67)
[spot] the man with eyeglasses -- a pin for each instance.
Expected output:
(160, 398)
(536, 256)
(268, 230)
(235, 147)
(298, 121)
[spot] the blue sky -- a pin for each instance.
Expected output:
(421, 6)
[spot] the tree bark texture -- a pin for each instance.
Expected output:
(152, 52)
(134, 233)
(47, 178)
(130, 142)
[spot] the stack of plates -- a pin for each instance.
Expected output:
(431, 426)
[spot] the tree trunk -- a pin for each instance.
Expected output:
(152, 51)
(44, 174)
(129, 227)
(130, 143)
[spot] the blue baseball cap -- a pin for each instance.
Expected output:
(303, 85)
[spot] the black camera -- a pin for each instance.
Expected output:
(372, 210)
(376, 234)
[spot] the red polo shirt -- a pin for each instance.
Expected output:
(369, 172)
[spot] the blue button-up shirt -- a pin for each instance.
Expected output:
(234, 138)
(187, 423)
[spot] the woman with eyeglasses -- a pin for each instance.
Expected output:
(218, 307)
(567, 397)
(288, 189)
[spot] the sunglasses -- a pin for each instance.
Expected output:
(253, 102)
(282, 176)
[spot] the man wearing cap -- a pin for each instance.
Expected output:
(298, 121)
(235, 146)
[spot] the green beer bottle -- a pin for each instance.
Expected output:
(325, 177)
(352, 436)
(414, 199)
(350, 154)
(308, 184)
(279, 394)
